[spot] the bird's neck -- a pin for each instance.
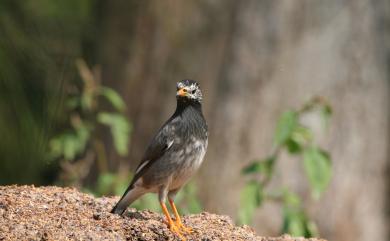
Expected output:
(192, 119)
(183, 105)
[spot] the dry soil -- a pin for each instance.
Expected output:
(54, 213)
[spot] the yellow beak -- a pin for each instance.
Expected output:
(181, 92)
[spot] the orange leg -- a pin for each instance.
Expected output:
(178, 222)
(172, 226)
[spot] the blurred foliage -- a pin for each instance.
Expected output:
(296, 139)
(39, 40)
(82, 145)
(44, 102)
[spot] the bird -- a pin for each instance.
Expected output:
(173, 155)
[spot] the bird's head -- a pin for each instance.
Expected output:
(188, 90)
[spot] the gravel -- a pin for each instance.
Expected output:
(55, 213)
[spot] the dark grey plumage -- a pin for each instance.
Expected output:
(175, 153)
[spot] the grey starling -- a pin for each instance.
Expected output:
(173, 155)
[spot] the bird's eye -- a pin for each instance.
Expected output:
(193, 92)
(184, 90)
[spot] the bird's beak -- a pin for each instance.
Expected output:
(182, 92)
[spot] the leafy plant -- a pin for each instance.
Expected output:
(80, 145)
(293, 137)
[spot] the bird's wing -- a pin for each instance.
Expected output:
(157, 147)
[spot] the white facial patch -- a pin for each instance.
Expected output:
(180, 85)
(193, 90)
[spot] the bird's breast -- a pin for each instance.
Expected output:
(189, 159)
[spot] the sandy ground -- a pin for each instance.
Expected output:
(54, 213)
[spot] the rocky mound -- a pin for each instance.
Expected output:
(54, 213)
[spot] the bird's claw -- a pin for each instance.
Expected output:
(176, 230)
(179, 226)
(182, 228)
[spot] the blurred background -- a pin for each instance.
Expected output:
(84, 85)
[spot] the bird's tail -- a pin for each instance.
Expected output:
(132, 193)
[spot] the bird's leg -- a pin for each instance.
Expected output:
(178, 222)
(172, 226)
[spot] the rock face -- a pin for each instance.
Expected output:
(54, 213)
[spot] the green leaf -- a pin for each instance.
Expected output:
(87, 100)
(311, 229)
(72, 102)
(55, 146)
(263, 166)
(254, 167)
(69, 144)
(293, 146)
(291, 199)
(113, 97)
(296, 223)
(83, 134)
(293, 223)
(251, 198)
(285, 127)
(326, 113)
(327, 110)
(120, 130)
(317, 165)
(294, 218)
(302, 135)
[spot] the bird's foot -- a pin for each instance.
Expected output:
(176, 230)
(182, 228)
